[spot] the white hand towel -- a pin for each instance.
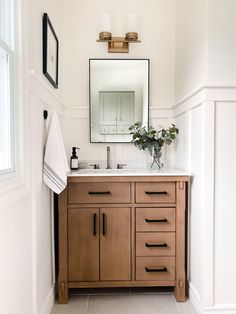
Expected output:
(55, 166)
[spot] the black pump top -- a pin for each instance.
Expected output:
(74, 150)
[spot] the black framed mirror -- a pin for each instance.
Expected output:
(118, 96)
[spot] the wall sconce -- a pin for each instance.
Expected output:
(118, 44)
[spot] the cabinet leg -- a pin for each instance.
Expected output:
(179, 291)
(63, 293)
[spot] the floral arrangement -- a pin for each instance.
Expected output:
(152, 139)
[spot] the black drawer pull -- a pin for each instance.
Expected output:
(156, 220)
(94, 224)
(157, 193)
(156, 244)
(99, 193)
(156, 270)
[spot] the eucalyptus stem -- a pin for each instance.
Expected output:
(150, 138)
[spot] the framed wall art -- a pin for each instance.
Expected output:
(50, 51)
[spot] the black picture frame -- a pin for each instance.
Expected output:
(50, 51)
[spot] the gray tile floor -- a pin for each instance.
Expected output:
(124, 302)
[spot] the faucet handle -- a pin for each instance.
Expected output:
(121, 166)
(95, 166)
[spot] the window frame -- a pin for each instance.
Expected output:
(12, 49)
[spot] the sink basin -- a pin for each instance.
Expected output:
(106, 171)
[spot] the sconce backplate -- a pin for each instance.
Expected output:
(118, 44)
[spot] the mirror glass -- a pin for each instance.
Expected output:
(119, 97)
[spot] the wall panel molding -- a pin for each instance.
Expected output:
(76, 112)
(203, 93)
(83, 112)
(40, 89)
(41, 96)
(160, 113)
(209, 92)
(208, 202)
(13, 190)
(207, 96)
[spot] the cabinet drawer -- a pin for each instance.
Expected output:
(155, 192)
(155, 219)
(98, 192)
(155, 268)
(155, 244)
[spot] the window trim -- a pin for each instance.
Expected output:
(12, 98)
(13, 49)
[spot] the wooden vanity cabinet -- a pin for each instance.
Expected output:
(122, 232)
(99, 244)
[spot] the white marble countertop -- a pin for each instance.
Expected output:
(128, 172)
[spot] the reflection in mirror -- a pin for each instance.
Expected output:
(118, 98)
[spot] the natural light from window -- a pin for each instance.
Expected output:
(6, 87)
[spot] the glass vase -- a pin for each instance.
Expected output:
(156, 159)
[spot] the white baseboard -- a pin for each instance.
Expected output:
(49, 302)
(201, 309)
(195, 299)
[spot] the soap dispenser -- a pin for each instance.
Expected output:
(74, 160)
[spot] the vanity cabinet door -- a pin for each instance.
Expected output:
(115, 244)
(83, 244)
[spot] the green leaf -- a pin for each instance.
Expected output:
(163, 133)
(168, 141)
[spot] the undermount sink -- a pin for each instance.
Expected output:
(105, 171)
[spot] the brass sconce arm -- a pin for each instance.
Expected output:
(118, 44)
